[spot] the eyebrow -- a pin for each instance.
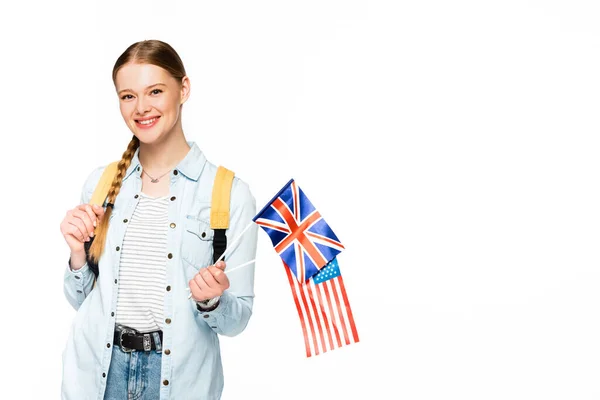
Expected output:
(148, 87)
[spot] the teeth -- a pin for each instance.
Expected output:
(147, 122)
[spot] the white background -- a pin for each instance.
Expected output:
(452, 146)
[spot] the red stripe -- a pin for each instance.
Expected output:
(337, 334)
(325, 239)
(339, 309)
(301, 269)
(294, 292)
(314, 253)
(314, 306)
(324, 315)
(285, 213)
(310, 321)
(348, 309)
(272, 226)
(298, 232)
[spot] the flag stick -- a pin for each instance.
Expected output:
(230, 270)
(228, 248)
(239, 266)
(234, 241)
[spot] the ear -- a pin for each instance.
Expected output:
(185, 89)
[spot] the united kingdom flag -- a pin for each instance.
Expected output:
(300, 235)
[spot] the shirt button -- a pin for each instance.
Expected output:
(108, 345)
(138, 168)
(168, 320)
(203, 234)
(206, 315)
(115, 281)
(79, 291)
(167, 351)
(173, 198)
(168, 288)
(172, 225)
(136, 196)
(112, 314)
(77, 277)
(118, 248)
(170, 255)
(103, 375)
(125, 220)
(166, 382)
(175, 172)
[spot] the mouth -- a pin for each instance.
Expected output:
(146, 123)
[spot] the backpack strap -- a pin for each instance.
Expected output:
(219, 210)
(103, 185)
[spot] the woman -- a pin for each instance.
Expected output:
(137, 333)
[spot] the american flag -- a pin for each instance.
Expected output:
(300, 235)
(324, 310)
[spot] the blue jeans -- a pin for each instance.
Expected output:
(135, 375)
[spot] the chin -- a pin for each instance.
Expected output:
(146, 138)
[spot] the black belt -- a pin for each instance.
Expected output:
(129, 339)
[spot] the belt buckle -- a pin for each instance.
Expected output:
(125, 330)
(147, 342)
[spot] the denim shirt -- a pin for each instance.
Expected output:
(192, 368)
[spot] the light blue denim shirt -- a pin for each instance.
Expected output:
(192, 369)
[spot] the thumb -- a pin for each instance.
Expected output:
(98, 210)
(220, 265)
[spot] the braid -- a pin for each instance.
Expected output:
(100, 233)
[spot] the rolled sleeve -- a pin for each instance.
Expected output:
(231, 315)
(77, 284)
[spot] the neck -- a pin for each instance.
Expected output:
(160, 156)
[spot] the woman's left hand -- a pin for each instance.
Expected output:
(209, 282)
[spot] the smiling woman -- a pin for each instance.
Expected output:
(137, 334)
(151, 99)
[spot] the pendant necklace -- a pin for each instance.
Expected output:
(154, 180)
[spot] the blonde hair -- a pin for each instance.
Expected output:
(153, 52)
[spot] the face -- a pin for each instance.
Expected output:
(150, 100)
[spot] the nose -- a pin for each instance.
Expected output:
(141, 106)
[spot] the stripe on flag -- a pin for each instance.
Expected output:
(324, 310)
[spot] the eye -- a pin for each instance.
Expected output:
(124, 97)
(156, 90)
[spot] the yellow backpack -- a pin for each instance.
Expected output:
(219, 208)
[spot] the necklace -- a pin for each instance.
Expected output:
(154, 180)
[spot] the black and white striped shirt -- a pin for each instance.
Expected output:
(142, 271)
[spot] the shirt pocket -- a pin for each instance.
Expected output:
(197, 243)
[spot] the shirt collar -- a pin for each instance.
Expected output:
(191, 166)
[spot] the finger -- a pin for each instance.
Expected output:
(208, 277)
(204, 292)
(99, 211)
(76, 231)
(199, 279)
(90, 212)
(67, 229)
(195, 290)
(219, 276)
(85, 218)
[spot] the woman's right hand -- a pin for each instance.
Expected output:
(78, 225)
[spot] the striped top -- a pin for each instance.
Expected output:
(142, 272)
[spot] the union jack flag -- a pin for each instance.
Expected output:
(300, 235)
